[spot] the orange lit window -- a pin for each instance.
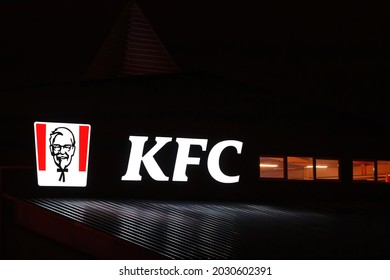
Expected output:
(272, 167)
(363, 170)
(384, 171)
(327, 169)
(299, 168)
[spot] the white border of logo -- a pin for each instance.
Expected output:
(62, 153)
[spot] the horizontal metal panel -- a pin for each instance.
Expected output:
(193, 230)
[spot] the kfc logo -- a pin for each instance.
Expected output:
(183, 159)
(62, 151)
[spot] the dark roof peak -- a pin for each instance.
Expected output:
(131, 48)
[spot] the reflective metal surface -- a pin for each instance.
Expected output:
(190, 230)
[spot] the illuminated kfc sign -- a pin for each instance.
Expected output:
(62, 152)
(137, 156)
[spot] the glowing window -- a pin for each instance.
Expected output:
(327, 169)
(272, 167)
(299, 168)
(363, 170)
(384, 171)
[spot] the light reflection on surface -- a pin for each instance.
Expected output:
(193, 230)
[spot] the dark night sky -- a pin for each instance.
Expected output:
(333, 53)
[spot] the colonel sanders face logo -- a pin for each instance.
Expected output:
(62, 148)
(62, 151)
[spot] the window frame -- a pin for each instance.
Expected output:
(284, 168)
(300, 180)
(375, 171)
(327, 180)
